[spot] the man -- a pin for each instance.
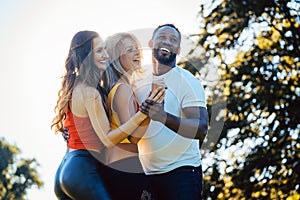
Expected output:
(169, 151)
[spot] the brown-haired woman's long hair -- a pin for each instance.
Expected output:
(79, 66)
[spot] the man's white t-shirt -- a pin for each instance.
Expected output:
(162, 150)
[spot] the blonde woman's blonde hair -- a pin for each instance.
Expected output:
(115, 48)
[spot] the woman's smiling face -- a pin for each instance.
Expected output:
(100, 54)
(131, 55)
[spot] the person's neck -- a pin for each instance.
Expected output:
(160, 69)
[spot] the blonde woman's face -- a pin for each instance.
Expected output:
(100, 54)
(131, 56)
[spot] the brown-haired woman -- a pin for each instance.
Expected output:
(81, 115)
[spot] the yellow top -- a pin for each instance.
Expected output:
(115, 121)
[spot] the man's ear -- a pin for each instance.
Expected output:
(150, 43)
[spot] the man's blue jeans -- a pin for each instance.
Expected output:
(184, 183)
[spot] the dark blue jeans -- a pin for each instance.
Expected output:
(184, 183)
(122, 184)
(78, 177)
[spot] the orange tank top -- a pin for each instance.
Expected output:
(82, 133)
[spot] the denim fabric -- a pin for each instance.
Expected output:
(126, 185)
(184, 183)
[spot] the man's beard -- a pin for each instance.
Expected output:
(162, 59)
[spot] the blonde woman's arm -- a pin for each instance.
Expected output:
(135, 137)
(124, 104)
(99, 120)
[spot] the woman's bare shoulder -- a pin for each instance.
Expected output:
(88, 92)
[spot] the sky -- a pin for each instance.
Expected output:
(35, 37)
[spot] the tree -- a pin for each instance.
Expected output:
(17, 174)
(258, 45)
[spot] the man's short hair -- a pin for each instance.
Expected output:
(166, 25)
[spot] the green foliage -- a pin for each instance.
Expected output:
(262, 93)
(17, 174)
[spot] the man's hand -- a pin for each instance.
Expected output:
(154, 110)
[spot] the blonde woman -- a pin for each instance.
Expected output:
(81, 115)
(124, 171)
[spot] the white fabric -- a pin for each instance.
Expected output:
(162, 150)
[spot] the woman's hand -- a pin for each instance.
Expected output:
(158, 94)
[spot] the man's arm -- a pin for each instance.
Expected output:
(194, 125)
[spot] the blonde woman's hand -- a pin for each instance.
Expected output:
(158, 94)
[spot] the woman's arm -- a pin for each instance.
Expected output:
(125, 105)
(99, 120)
